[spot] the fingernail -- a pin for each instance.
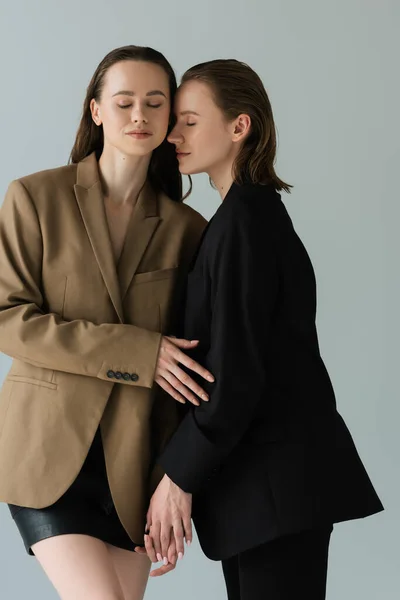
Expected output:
(180, 556)
(194, 341)
(209, 378)
(165, 561)
(159, 557)
(205, 398)
(189, 542)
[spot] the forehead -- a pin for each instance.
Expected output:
(136, 76)
(196, 96)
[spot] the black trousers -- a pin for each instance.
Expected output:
(289, 568)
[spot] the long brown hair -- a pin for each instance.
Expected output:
(163, 169)
(237, 89)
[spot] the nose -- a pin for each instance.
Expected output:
(175, 137)
(138, 115)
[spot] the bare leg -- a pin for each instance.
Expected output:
(132, 570)
(79, 567)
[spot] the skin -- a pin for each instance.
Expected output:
(206, 143)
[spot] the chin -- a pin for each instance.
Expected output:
(184, 171)
(190, 170)
(140, 148)
(195, 171)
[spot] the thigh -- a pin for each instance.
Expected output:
(79, 567)
(132, 570)
(230, 568)
(291, 567)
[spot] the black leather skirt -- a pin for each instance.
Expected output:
(85, 508)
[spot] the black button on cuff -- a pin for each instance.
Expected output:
(126, 376)
(110, 374)
(134, 377)
(118, 375)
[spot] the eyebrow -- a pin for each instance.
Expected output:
(189, 112)
(130, 93)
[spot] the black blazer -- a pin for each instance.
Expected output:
(269, 455)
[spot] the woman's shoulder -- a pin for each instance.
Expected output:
(252, 206)
(48, 179)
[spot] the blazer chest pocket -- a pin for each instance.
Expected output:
(154, 276)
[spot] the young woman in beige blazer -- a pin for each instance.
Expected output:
(92, 255)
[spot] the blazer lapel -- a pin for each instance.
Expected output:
(142, 226)
(90, 200)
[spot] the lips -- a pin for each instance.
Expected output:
(140, 134)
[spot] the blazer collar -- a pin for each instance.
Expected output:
(142, 225)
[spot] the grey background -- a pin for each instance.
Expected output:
(332, 72)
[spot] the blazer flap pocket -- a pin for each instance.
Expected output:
(32, 381)
(154, 275)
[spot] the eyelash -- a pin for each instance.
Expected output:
(129, 106)
(190, 124)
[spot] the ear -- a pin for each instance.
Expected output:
(241, 128)
(95, 110)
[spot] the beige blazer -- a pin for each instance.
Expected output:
(85, 335)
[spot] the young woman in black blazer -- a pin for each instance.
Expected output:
(269, 461)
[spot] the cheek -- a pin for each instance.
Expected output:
(160, 123)
(114, 119)
(163, 118)
(198, 138)
(209, 146)
(211, 142)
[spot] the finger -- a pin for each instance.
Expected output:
(182, 343)
(155, 536)
(188, 530)
(179, 386)
(162, 570)
(140, 550)
(169, 363)
(149, 547)
(185, 382)
(172, 554)
(191, 364)
(178, 541)
(150, 540)
(162, 382)
(165, 538)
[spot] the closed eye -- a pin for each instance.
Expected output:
(124, 106)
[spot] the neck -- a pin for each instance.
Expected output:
(122, 176)
(222, 178)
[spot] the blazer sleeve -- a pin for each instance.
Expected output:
(244, 282)
(43, 339)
